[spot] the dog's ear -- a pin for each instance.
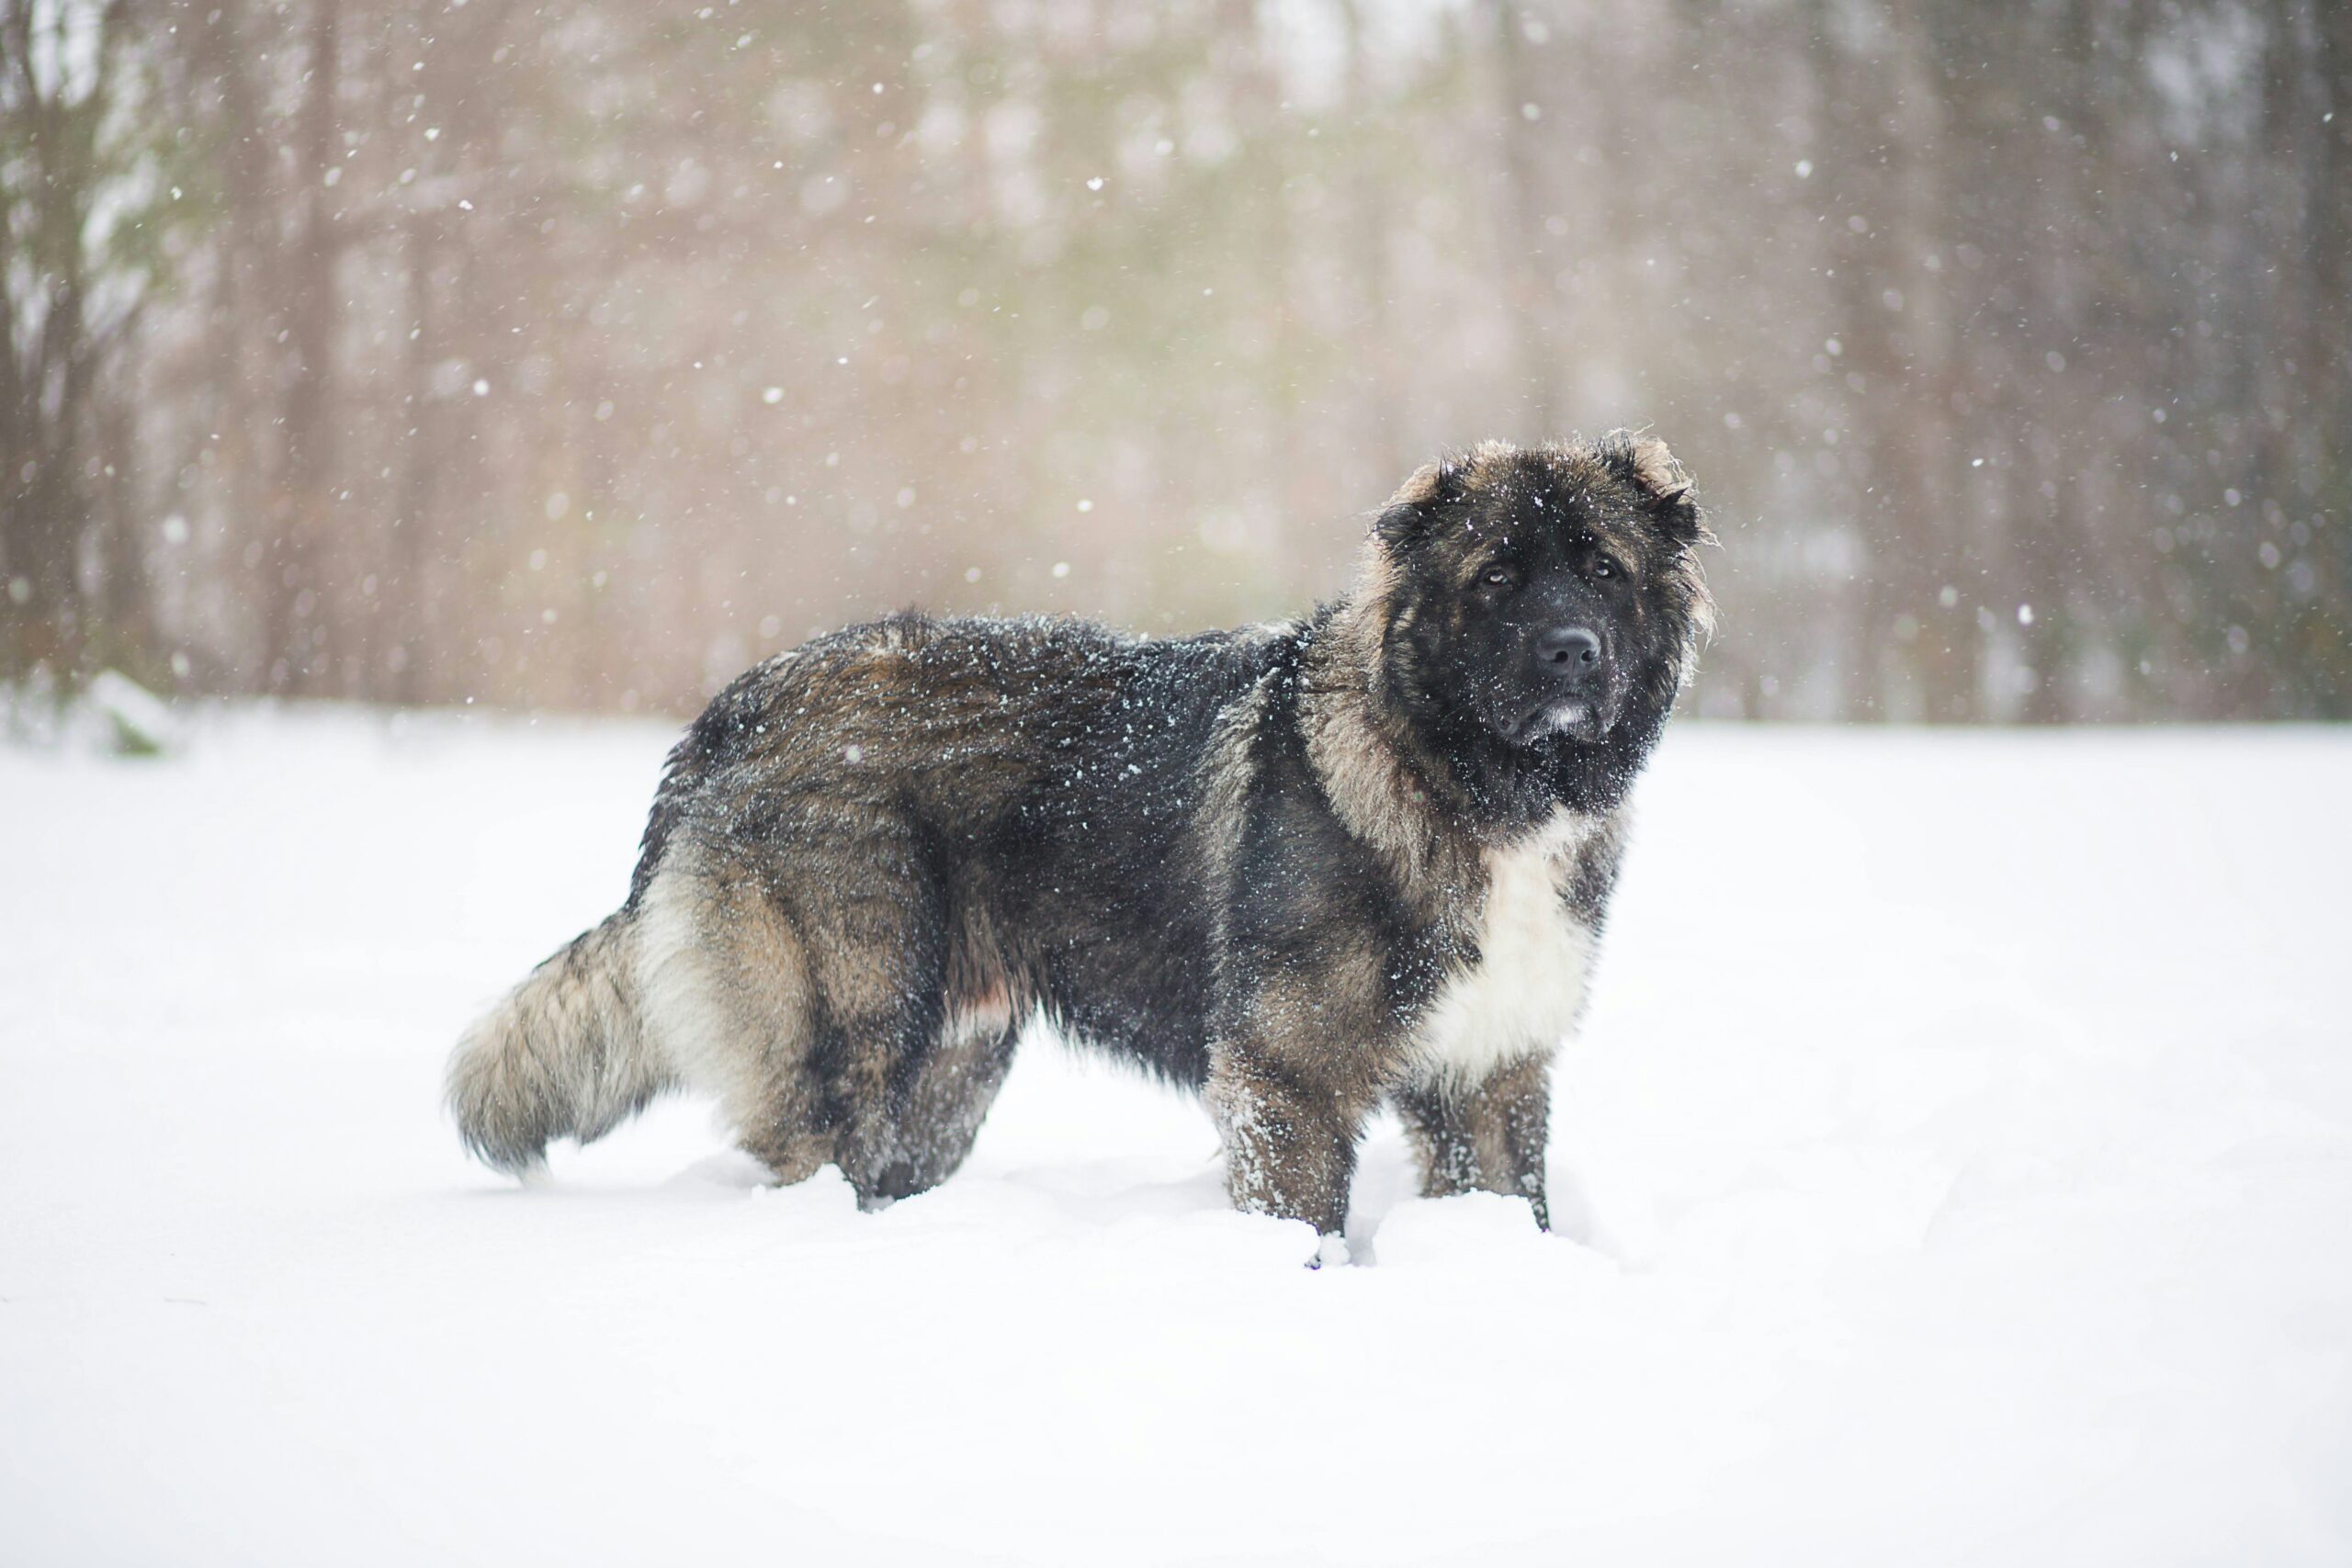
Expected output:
(1645, 462)
(1418, 501)
(1679, 517)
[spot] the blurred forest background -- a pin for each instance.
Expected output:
(575, 356)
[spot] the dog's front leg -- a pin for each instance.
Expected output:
(1290, 1136)
(1489, 1137)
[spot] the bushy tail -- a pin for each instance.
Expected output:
(565, 1055)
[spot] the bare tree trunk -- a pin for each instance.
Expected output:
(297, 648)
(1853, 184)
(126, 595)
(45, 495)
(1369, 209)
(2328, 554)
(1525, 280)
(2047, 508)
(407, 587)
(1941, 641)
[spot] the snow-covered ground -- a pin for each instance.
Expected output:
(1959, 1163)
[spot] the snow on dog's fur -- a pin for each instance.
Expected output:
(1358, 857)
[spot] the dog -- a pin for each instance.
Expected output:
(1303, 868)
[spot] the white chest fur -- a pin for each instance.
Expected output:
(1524, 991)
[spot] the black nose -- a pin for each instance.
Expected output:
(1571, 654)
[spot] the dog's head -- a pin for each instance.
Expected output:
(1552, 592)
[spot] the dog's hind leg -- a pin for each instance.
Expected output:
(938, 1098)
(729, 992)
(810, 992)
(936, 1111)
(1486, 1138)
(891, 1072)
(832, 1084)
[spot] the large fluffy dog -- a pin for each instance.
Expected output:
(1303, 867)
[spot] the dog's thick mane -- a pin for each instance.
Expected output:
(1383, 780)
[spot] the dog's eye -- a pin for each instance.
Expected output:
(1604, 567)
(1499, 577)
